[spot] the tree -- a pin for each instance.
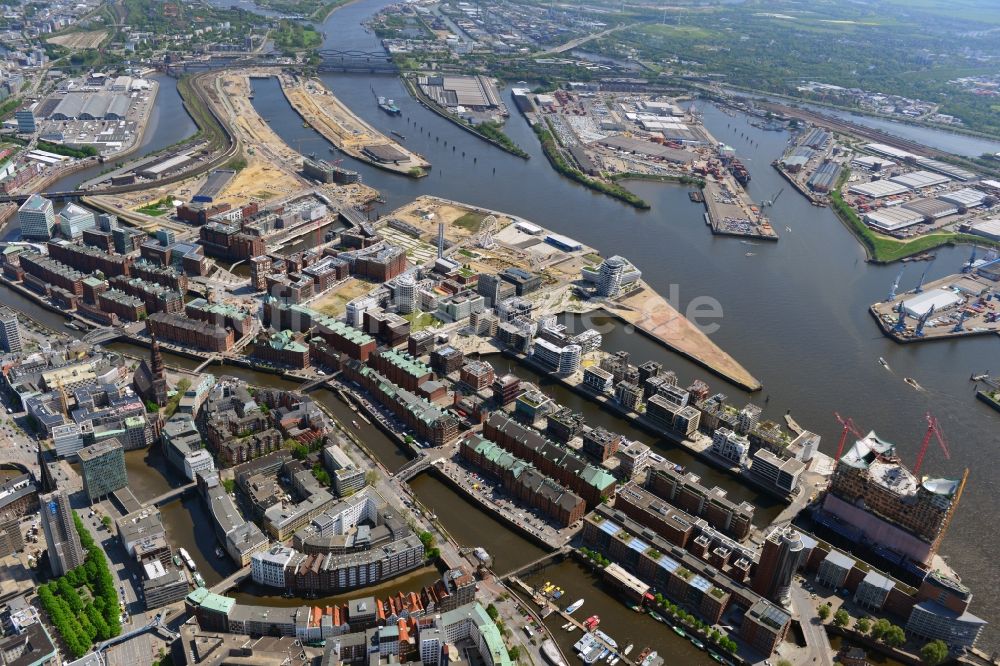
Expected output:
(492, 611)
(863, 625)
(894, 636)
(784, 662)
(229, 485)
(106, 521)
(934, 653)
(879, 628)
(371, 477)
(841, 618)
(514, 652)
(823, 612)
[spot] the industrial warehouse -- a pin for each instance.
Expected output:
(99, 111)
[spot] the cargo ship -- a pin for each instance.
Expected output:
(389, 106)
(739, 172)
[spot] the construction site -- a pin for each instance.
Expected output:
(955, 306)
(348, 133)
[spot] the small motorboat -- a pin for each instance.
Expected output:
(750, 254)
(628, 649)
(882, 362)
(913, 382)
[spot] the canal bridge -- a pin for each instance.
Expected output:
(232, 581)
(538, 563)
(411, 469)
(171, 495)
(310, 385)
(99, 336)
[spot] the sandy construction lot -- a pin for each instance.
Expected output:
(80, 40)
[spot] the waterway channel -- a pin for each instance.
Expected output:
(794, 311)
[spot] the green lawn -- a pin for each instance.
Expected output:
(470, 221)
(420, 320)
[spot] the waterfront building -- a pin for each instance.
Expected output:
(730, 446)
(446, 360)
(834, 568)
(521, 480)
(10, 334)
(874, 492)
(599, 380)
(592, 483)
(628, 395)
(477, 375)
(779, 474)
(268, 568)
(942, 613)
(633, 459)
(37, 218)
(403, 370)
(686, 491)
(65, 550)
(187, 332)
(563, 425)
(562, 360)
(74, 220)
(748, 419)
(162, 585)
(600, 444)
(345, 339)
(506, 389)
(102, 466)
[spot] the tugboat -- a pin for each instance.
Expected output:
(389, 106)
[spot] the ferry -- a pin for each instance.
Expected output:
(389, 106)
(573, 607)
(187, 559)
(198, 580)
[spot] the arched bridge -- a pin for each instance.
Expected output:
(372, 62)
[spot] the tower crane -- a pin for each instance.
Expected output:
(849, 426)
(933, 428)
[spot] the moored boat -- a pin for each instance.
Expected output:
(573, 607)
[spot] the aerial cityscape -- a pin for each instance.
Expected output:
(508, 333)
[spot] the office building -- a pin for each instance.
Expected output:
(783, 553)
(561, 360)
(834, 568)
(74, 220)
(779, 474)
(65, 550)
(37, 218)
(103, 469)
(10, 334)
(609, 281)
(730, 446)
(25, 121)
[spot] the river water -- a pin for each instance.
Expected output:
(794, 312)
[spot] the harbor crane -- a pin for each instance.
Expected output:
(901, 321)
(933, 428)
(961, 320)
(972, 260)
(770, 202)
(922, 321)
(920, 283)
(849, 427)
(895, 286)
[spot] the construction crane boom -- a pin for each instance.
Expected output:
(849, 426)
(933, 428)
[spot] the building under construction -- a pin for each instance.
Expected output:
(886, 504)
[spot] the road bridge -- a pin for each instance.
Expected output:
(374, 62)
(411, 469)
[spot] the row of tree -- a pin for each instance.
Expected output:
(932, 653)
(80, 619)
